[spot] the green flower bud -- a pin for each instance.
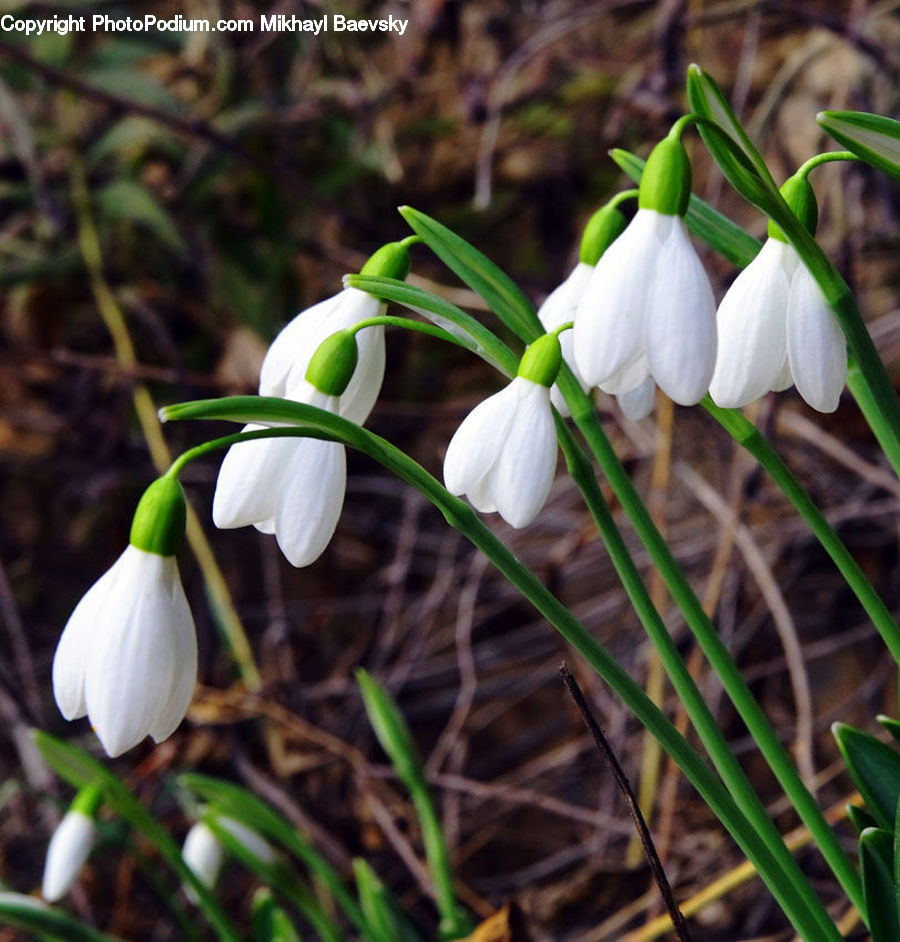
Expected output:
(390, 261)
(666, 182)
(541, 360)
(798, 194)
(87, 801)
(159, 521)
(603, 228)
(331, 367)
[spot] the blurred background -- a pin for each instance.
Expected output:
(170, 200)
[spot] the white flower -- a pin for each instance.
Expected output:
(66, 853)
(204, 854)
(775, 329)
(127, 657)
(503, 456)
(637, 403)
(558, 309)
(284, 367)
(292, 487)
(648, 310)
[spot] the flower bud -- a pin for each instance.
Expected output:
(159, 521)
(332, 365)
(666, 182)
(71, 844)
(390, 261)
(541, 361)
(800, 197)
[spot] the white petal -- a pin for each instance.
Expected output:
(185, 680)
(249, 480)
(610, 317)
(631, 375)
(76, 641)
(817, 350)
(680, 328)
(66, 853)
(131, 664)
(523, 474)
(752, 330)
(296, 341)
(248, 839)
(637, 403)
(204, 854)
(783, 380)
(559, 308)
(359, 397)
(311, 500)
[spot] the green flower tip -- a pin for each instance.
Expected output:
(541, 361)
(88, 800)
(666, 182)
(798, 194)
(390, 261)
(602, 229)
(332, 365)
(159, 521)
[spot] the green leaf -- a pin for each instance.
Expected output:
(375, 902)
(125, 199)
(269, 921)
(860, 818)
(708, 224)
(874, 768)
(874, 138)
(876, 853)
(891, 725)
(469, 331)
(236, 802)
(474, 268)
(34, 916)
(132, 136)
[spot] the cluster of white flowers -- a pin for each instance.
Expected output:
(642, 314)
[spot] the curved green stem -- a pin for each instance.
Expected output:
(805, 911)
(746, 434)
(389, 320)
(806, 167)
(695, 706)
(585, 416)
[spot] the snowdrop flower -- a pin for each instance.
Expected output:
(127, 658)
(775, 326)
(648, 309)
(70, 845)
(503, 456)
(294, 487)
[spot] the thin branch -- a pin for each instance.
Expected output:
(656, 866)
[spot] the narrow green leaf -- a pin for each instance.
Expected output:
(126, 199)
(34, 916)
(708, 224)
(475, 269)
(376, 905)
(876, 853)
(872, 137)
(891, 725)
(468, 330)
(269, 921)
(875, 770)
(860, 818)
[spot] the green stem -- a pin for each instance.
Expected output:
(695, 706)
(881, 429)
(389, 320)
(585, 416)
(805, 911)
(805, 168)
(746, 434)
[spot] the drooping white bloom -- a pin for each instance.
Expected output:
(127, 657)
(204, 853)
(67, 852)
(294, 487)
(503, 456)
(775, 329)
(648, 310)
(559, 308)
